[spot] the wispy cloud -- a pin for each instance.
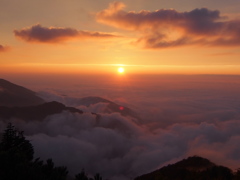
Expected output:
(38, 33)
(169, 28)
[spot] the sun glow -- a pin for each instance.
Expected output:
(121, 70)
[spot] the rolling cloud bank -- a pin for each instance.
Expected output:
(161, 125)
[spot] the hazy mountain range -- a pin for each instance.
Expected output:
(14, 95)
(19, 102)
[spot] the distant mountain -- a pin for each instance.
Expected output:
(38, 112)
(110, 108)
(13, 95)
(192, 168)
(19, 102)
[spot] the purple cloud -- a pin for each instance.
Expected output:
(169, 28)
(37, 33)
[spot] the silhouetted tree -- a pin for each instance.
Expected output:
(51, 173)
(81, 176)
(97, 177)
(14, 142)
(15, 154)
(16, 160)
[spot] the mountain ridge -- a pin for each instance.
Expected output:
(14, 95)
(37, 112)
(19, 102)
(192, 168)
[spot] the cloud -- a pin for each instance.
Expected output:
(37, 33)
(3, 48)
(117, 147)
(181, 116)
(169, 28)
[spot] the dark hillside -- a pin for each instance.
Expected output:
(192, 168)
(14, 95)
(38, 112)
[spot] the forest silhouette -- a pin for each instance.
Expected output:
(17, 163)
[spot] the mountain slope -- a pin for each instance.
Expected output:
(38, 112)
(14, 95)
(192, 168)
(110, 108)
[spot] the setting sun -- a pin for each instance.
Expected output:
(121, 70)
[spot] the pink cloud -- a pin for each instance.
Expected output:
(168, 28)
(37, 33)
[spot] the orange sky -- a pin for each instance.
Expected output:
(153, 37)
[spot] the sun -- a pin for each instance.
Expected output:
(121, 70)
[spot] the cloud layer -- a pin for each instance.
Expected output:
(37, 33)
(118, 148)
(169, 28)
(180, 116)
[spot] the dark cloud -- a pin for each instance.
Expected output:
(169, 28)
(37, 33)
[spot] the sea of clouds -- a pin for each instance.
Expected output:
(177, 117)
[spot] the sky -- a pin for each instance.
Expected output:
(96, 37)
(182, 67)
